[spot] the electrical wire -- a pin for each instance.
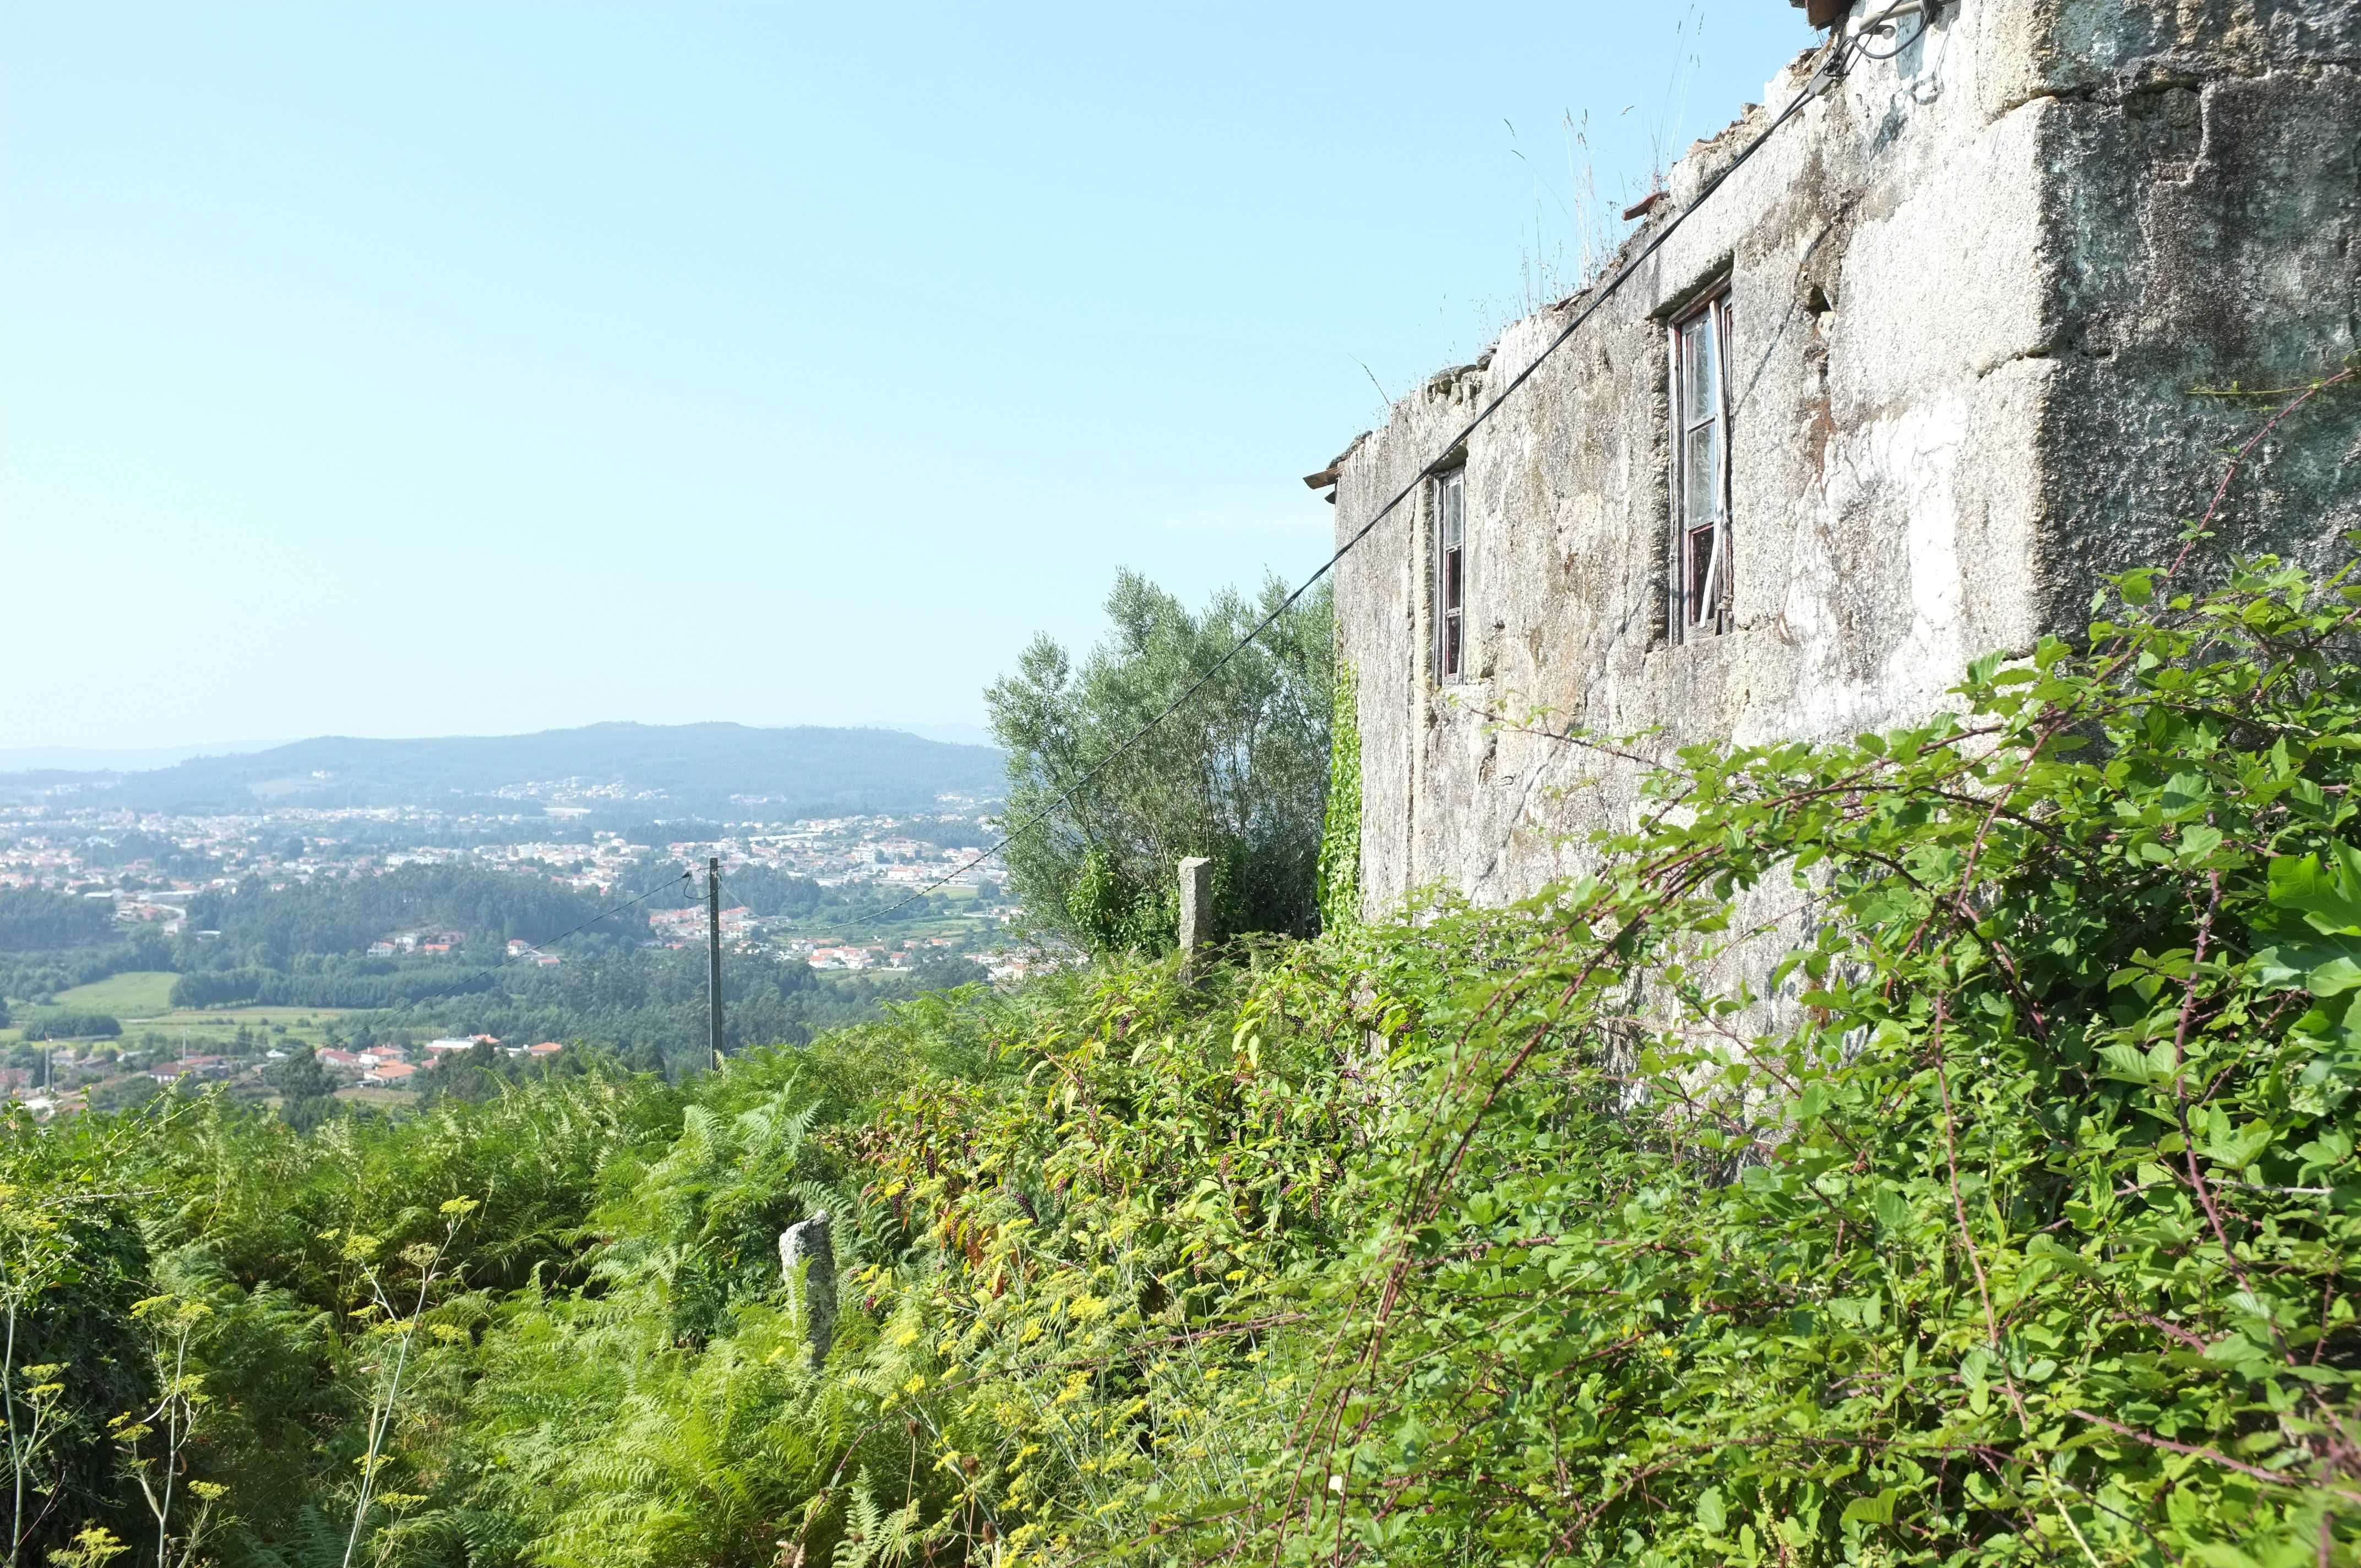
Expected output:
(1832, 66)
(1926, 13)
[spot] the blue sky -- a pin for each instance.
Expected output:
(485, 368)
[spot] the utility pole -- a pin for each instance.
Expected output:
(713, 952)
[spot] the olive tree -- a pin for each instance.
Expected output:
(1238, 773)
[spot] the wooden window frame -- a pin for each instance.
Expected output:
(1448, 536)
(1700, 596)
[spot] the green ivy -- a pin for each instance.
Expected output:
(1340, 840)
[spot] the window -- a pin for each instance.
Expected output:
(1450, 575)
(1701, 546)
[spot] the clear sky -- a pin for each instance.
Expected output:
(440, 368)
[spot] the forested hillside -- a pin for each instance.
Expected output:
(2020, 1230)
(273, 925)
(33, 921)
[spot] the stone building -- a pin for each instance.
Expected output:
(1898, 393)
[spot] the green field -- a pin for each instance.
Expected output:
(213, 1029)
(141, 994)
(141, 1001)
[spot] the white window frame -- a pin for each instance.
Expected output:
(1448, 560)
(1698, 603)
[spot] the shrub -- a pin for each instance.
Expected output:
(66, 1024)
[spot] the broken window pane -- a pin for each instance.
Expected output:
(1450, 572)
(1700, 370)
(1700, 456)
(1701, 550)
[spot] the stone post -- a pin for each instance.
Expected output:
(1196, 904)
(809, 1264)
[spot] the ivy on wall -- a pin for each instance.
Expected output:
(1340, 839)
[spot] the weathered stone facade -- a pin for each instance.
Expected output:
(1972, 289)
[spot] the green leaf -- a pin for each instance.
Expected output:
(2239, 1148)
(2324, 966)
(1711, 1517)
(2185, 792)
(2328, 896)
(2220, 1554)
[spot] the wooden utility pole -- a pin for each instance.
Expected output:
(713, 953)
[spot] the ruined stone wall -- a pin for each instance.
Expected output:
(1973, 286)
(2204, 207)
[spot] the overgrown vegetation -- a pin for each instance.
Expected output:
(1340, 836)
(2007, 1220)
(1236, 773)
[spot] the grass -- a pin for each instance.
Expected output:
(211, 1031)
(139, 993)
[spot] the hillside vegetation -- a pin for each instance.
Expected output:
(2018, 1231)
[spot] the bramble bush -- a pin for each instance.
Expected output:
(2007, 1222)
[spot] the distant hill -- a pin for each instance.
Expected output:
(96, 760)
(714, 770)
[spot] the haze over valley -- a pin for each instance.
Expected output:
(173, 925)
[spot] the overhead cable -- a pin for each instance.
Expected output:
(1835, 56)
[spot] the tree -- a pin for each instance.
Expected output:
(1238, 774)
(35, 921)
(474, 1076)
(946, 971)
(307, 1095)
(74, 1025)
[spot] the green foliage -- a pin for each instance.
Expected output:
(73, 1262)
(1340, 839)
(2004, 1223)
(40, 976)
(271, 927)
(1113, 912)
(2007, 1221)
(33, 921)
(2003, 1217)
(1236, 775)
(307, 1095)
(332, 982)
(70, 1024)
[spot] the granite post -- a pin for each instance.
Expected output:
(1196, 904)
(808, 1262)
